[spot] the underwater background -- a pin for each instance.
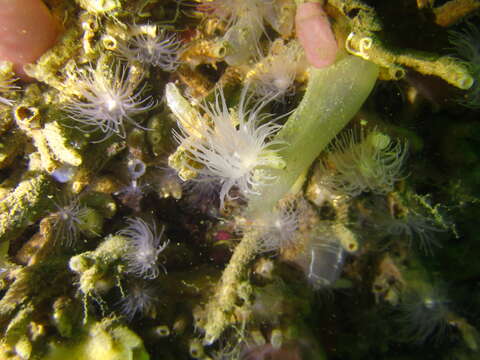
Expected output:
(239, 179)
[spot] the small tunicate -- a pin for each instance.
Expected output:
(323, 258)
(137, 168)
(64, 173)
(162, 331)
(196, 349)
(109, 42)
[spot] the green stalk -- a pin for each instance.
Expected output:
(334, 95)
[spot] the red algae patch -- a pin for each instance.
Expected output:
(27, 30)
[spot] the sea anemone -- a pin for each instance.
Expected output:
(466, 45)
(233, 11)
(417, 226)
(140, 298)
(108, 102)
(232, 146)
(202, 195)
(410, 216)
(371, 163)
(68, 220)
(274, 76)
(245, 23)
(154, 46)
(145, 244)
(424, 313)
(279, 227)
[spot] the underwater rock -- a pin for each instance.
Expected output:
(106, 340)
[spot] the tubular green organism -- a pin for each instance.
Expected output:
(333, 96)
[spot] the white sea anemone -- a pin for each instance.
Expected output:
(202, 195)
(68, 220)
(231, 146)
(145, 244)
(108, 102)
(251, 14)
(415, 218)
(140, 298)
(424, 313)
(156, 47)
(233, 11)
(274, 76)
(417, 226)
(372, 163)
(245, 25)
(466, 45)
(278, 228)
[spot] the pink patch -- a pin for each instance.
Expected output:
(315, 34)
(223, 235)
(27, 30)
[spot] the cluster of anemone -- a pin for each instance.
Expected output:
(108, 101)
(231, 147)
(245, 20)
(145, 245)
(466, 45)
(372, 163)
